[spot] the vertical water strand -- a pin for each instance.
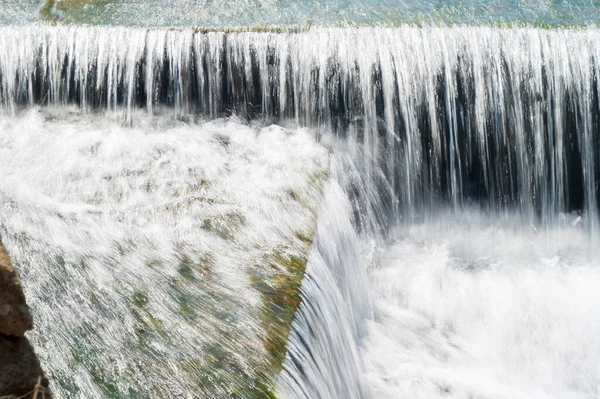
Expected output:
(7, 63)
(302, 79)
(100, 69)
(483, 65)
(231, 62)
(536, 146)
(556, 69)
(178, 47)
(151, 56)
(371, 88)
(216, 44)
(549, 200)
(513, 133)
(111, 73)
(48, 53)
(122, 70)
(296, 70)
(133, 57)
(424, 113)
(70, 58)
(283, 72)
(234, 86)
(388, 87)
(325, 52)
(200, 49)
(407, 113)
(26, 72)
(454, 155)
(247, 53)
(499, 119)
(583, 71)
(261, 46)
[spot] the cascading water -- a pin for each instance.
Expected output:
(495, 116)
(143, 247)
(454, 251)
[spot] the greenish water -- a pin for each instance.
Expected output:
(235, 13)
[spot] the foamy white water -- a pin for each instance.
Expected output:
(137, 245)
(473, 306)
(461, 304)
(323, 359)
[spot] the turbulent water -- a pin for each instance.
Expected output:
(472, 305)
(138, 245)
(455, 254)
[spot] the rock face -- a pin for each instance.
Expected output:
(15, 318)
(20, 368)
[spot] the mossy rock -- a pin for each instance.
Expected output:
(279, 285)
(225, 226)
(72, 10)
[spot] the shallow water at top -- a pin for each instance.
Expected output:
(253, 13)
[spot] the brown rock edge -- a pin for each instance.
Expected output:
(21, 375)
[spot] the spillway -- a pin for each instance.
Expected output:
(445, 150)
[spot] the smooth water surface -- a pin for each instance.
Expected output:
(254, 13)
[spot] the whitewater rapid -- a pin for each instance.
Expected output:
(499, 117)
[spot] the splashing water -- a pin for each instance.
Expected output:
(454, 304)
(138, 246)
(470, 305)
(456, 243)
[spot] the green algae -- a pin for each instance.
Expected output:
(225, 225)
(140, 299)
(71, 10)
(305, 238)
(280, 293)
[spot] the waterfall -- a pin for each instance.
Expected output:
(500, 117)
(478, 132)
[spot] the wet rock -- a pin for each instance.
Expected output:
(19, 368)
(20, 372)
(15, 318)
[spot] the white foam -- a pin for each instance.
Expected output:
(471, 306)
(95, 213)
